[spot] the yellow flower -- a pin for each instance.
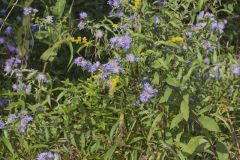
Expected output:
(115, 26)
(137, 4)
(96, 76)
(113, 85)
(84, 40)
(78, 40)
(177, 39)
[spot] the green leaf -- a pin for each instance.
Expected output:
(71, 54)
(110, 152)
(160, 63)
(51, 53)
(200, 4)
(176, 120)
(8, 144)
(167, 43)
(192, 145)
(153, 127)
(185, 107)
(173, 82)
(155, 78)
(209, 123)
(187, 77)
(222, 151)
(59, 7)
(166, 95)
(113, 129)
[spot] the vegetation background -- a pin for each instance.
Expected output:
(119, 79)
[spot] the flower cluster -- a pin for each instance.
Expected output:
(114, 3)
(29, 10)
(113, 66)
(215, 25)
(8, 30)
(80, 61)
(147, 93)
(82, 16)
(235, 69)
(45, 156)
(25, 119)
(99, 34)
(49, 19)
(20, 87)
(42, 78)
(131, 58)
(215, 73)
(121, 42)
(3, 102)
(24, 122)
(11, 64)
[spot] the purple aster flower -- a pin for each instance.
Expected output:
(208, 15)
(35, 10)
(94, 67)
(15, 87)
(24, 123)
(45, 156)
(235, 69)
(187, 35)
(11, 47)
(113, 66)
(114, 3)
(3, 102)
(19, 74)
(26, 88)
(18, 18)
(42, 77)
(157, 20)
(34, 28)
(214, 73)
(2, 125)
(81, 25)
(79, 61)
(122, 41)
(8, 30)
(217, 26)
(11, 118)
(49, 19)
(147, 93)
(99, 34)
(162, 3)
(133, 18)
(22, 113)
(119, 13)
(7, 68)
(83, 15)
(3, 11)
(131, 58)
(199, 25)
(201, 15)
(124, 27)
(126, 42)
(2, 40)
(27, 11)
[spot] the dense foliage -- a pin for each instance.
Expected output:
(119, 79)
